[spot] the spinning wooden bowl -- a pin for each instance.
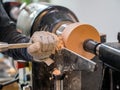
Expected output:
(74, 36)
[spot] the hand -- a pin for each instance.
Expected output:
(44, 43)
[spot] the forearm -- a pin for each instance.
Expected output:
(9, 34)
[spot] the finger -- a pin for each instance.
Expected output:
(34, 48)
(51, 43)
(44, 43)
(36, 37)
(55, 38)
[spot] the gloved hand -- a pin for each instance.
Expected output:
(44, 44)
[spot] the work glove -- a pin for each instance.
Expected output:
(44, 44)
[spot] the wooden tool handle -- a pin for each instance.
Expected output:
(18, 45)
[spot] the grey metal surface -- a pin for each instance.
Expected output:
(93, 80)
(72, 81)
(25, 19)
(76, 61)
(58, 85)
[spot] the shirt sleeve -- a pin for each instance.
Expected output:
(9, 34)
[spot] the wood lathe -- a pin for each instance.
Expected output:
(81, 42)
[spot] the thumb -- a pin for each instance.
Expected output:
(34, 48)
